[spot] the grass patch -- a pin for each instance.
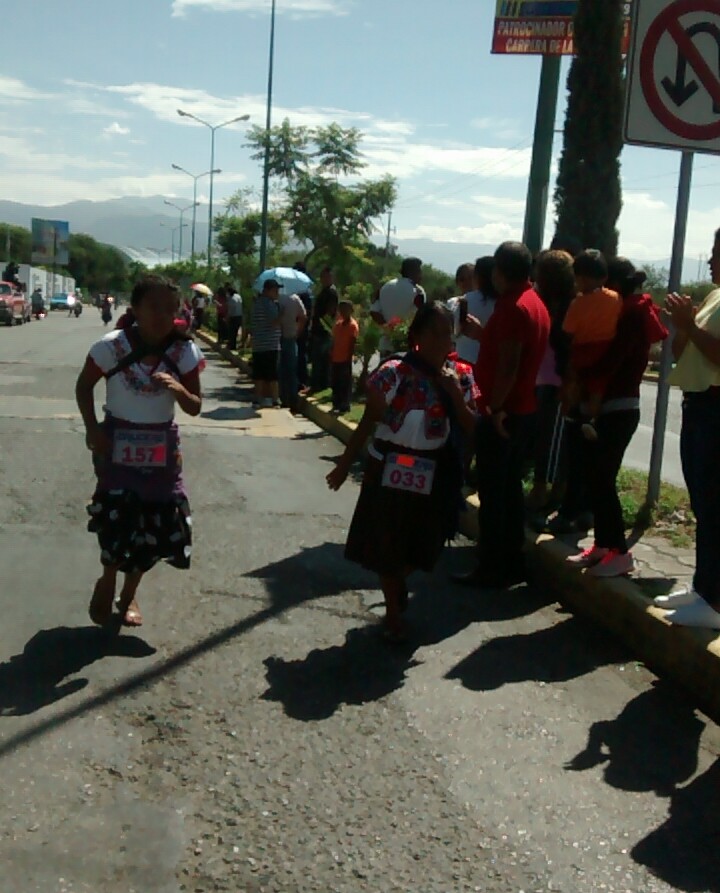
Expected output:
(325, 397)
(672, 518)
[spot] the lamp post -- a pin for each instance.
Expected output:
(268, 122)
(182, 214)
(173, 230)
(212, 128)
(196, 203)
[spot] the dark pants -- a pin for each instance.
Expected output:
(342, 385)
(302, 359)
(576, 501)
(320, 345)
(500, 464)
(234, 326)
(288, 372)
(700, 455)
(222, 329)
(603, 462)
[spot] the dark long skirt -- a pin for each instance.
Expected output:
(392, 531)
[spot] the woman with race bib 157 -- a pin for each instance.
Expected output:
(140, 510)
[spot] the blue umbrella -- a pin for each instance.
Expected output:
(292, 281)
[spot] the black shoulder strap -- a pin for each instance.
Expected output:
(139, 351)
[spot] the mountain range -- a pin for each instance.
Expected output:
(141, 227)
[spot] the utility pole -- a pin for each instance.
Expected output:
(268, 122)
(539, 184)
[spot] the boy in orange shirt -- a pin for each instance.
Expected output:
(344, 336)
(591, 321)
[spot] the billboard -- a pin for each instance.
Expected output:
(50, 242)
(541, 27)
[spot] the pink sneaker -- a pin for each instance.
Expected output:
(589, 558)
(614, 564)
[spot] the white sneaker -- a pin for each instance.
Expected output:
(589, 558)
(699, 615)
(686, 595)
(614, 564)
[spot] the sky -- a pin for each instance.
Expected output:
(88, 110)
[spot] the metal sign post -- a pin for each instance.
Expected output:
(663, 391)
(673, 102)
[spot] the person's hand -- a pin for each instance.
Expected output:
(337, 477)
(472, 328)
(450, 383)
(498, 420)
(168, 382)
(96, 440)
(682, 311)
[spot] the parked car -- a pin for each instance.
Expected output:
(15, 306)
(59, 302)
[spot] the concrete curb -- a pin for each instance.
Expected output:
(691, 657)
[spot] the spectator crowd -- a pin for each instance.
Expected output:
(536, 364)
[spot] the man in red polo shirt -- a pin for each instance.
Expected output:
(512, 345)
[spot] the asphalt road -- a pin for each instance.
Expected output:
(638, 454)
(258, 735)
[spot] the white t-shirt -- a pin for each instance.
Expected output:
(200, 301)
(131, 394)
(292, 310)
(482, 309)
(396, 301)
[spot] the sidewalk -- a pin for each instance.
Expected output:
(623, 606)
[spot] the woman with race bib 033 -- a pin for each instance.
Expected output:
(139, 512)
(420, 407)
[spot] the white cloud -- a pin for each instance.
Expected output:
(13, 91)
(404, 159)
(295, 8)
(115, 129)
(18, 155)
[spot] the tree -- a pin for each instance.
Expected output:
(95, 266)
(588, 196)
(19, 241)
(338, 150)
(333, 219)
(289, 152)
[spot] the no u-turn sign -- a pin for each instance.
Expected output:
(673, 98)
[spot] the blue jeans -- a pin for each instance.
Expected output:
(700, 455)
(288, 372)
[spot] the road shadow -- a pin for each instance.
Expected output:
(558, 653)
(313, 573)
(364, 668)
(684, 850)
(35, 679)
(651, 746)
(231, 414)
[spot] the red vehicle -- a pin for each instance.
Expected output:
(15, 306)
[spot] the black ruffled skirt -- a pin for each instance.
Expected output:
(135, 534)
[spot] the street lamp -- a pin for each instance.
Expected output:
(212, 128)
(182, 214)
(196, 203)
(268, 122)
(173, 230)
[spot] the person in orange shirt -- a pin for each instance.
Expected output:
(344, 336)
(591, 322)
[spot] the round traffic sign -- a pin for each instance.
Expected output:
(668, 22)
